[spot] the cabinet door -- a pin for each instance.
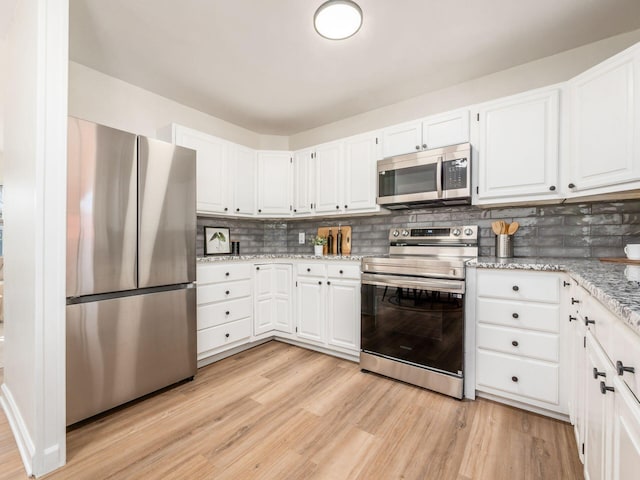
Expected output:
(626, 434)
(274, 183)
(446, 129)
(263, 281)
(578, 375)
(401, 139)
(244, 180)
(604, 123)
(282, 320)
(517, 149)
(302, 182)
(328, 159)
(361, 156)
(211, 169)
(343, 313)
(598, 409)
(310, 301)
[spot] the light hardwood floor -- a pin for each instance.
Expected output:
(283, 412)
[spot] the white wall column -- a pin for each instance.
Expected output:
(33, 393)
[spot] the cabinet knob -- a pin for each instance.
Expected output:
(621, 368)
(237, 209)
(295, 210)
(337, 207)
(552, 188)
(346, 206)
(328, 283)
(308, 269)
(515, 315)
(257, 268)
(587, 321)
(515, 288)
(259, 210)
(604, 389)
(514, 379)
(227, 312)
(565, 283)
(514, 343)
(226, 335)
(319, 283)
(424, 145)
(341, 272)
(226, 274)
(225, 209)
(571, 319)
(417, 147)
(227, 292)
(574, 301)
(597, 374)
(572, 185)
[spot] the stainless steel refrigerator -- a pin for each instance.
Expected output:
(131, 298)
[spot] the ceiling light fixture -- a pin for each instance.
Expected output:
(338, 19)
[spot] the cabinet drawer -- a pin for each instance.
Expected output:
(220, 335)
(511, 285)
(344, 271)
(316, 269)
(520, 376)
(533, 316)
(218, 313)
(600, 322)
(223, 291)
(625, 348)
(224, 272)
(543, 346)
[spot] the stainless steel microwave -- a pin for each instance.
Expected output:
(431, 177)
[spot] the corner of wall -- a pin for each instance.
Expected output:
(25, 443)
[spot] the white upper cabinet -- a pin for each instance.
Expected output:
(274, 183)
(604, 125)
(212, 159)
(361, 154)
(517, 147)
(243, 164)
(303, 182)
(436, 131)
(328, 176)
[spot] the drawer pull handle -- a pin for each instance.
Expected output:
(571, 319)
(226, 335)
(587, 321)
(227, 292)
(574, 301)
(514, 343)
(597, 374)
(515, 288)
(515, 315)
(514, 379)
(227, 312)
(604, 389)
(226, 274)
(621, 368)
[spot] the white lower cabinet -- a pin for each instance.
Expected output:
(343, 313)
(272, 287)
(225, 310)
(310, 301)
(625, 453)
(519, 338)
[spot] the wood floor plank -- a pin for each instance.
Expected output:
(282, 412)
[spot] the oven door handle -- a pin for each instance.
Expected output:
(439, 177)
(434, 284)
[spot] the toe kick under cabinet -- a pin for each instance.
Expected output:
(518, 339)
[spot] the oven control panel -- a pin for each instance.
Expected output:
(462, 233)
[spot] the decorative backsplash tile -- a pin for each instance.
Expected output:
(570, 230)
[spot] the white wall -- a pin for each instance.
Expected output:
(3, 77)
(539, 73)
(107, 100)
(33, 392)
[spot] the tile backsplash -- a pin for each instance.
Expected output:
(599, 229)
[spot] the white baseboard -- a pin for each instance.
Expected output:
(23, 439)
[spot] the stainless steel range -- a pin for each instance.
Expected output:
(413, 307)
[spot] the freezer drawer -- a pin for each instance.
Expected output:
(123, 348)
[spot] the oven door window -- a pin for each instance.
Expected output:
(420, 327)
(407, 181)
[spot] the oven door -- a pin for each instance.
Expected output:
(414, 320)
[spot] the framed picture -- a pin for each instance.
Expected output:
(216, 241)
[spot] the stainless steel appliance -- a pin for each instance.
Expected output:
(431, 177)
(413, 307)
(131, 301)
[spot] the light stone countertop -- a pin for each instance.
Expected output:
(283, 256)
(616, 285)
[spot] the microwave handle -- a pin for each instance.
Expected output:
(439, 177)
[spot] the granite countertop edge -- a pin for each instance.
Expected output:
(605, 281)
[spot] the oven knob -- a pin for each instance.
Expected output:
(468, 231)
(456, 232)
(405, 233)
(396, 233)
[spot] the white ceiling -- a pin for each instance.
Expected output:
(260, 64)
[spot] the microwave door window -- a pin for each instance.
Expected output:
(408, 181)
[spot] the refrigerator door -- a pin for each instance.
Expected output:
(167, 220)
(101, 209)
(123, 348)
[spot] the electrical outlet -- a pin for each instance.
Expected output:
(301, 238)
